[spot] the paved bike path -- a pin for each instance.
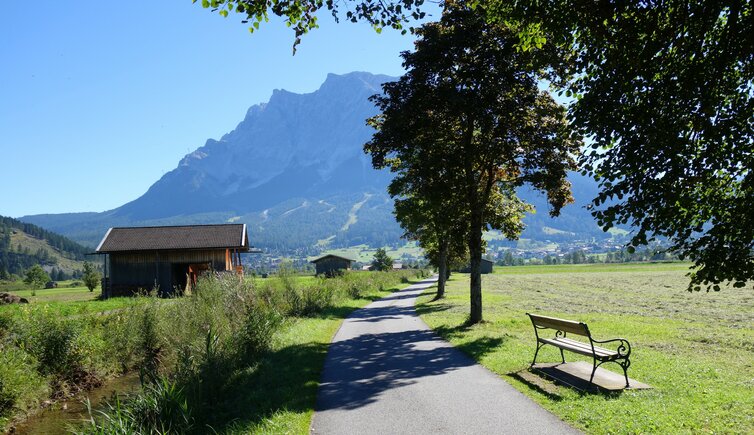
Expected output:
(387, 373)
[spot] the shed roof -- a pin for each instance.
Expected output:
(225, 236)
(316, 260)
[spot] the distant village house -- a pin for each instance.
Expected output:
(169, 258)
(331, 264)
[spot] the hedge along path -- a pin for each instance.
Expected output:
(386, 372)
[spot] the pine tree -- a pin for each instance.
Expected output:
(91, 277)
(382, 261)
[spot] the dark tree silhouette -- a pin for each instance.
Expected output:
(468, 111)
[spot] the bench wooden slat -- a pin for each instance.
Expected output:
(568, 326)
(580, 347)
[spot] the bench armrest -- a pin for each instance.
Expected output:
(624, 347)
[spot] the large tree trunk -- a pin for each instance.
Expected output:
(442, 269)
(475, 252)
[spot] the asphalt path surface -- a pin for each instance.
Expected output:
(387, 373)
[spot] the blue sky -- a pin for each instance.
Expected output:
(99, 99)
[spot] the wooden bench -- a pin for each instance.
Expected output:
(599, 355)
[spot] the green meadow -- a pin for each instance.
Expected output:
(69, 299)
(696, 350)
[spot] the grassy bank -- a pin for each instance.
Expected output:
(278, 395)
(59, 344)
(695, 349)
(65, 302)
(233, 357)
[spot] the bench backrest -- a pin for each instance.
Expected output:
(568, 326)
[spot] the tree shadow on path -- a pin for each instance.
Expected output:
(358, 370)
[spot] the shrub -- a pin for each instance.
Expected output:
(294, 303)
(148, 345)
(21, 385)
(122, 335)
(255, 335)
(316, 298)
(55, 343)
(161, 407)
(221, 328)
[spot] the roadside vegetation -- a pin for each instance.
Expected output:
(696, 349)
(231, 356)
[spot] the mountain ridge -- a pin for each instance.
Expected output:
(293, 170)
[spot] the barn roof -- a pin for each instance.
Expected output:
(225, 236)
(331, 255)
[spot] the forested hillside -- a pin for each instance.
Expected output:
(23, 245)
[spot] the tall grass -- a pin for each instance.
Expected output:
(188, 350)
(45, 356)
(161, 408)
(223, 330)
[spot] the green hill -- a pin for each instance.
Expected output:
(23, 245)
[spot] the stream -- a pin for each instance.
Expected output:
(60, 417)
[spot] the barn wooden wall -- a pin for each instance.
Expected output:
(331, 264)
(131, 271)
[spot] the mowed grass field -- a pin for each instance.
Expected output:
(695, 349)
(64, 301)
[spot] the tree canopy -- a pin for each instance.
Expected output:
(665, 92)
(433, 221)
(302, 15)
(382, 261)
(36, 277)
(466, 125)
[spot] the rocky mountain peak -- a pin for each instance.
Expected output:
(311, 140)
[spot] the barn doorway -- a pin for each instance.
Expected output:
(185, 275)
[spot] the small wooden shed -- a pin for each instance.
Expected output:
(486, 266)
(168, 258)
(331, 264)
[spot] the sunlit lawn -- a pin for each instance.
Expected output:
(65, 301)
(695, 349)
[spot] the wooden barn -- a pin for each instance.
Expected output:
(331, 264)
(486, 266)
(168, 258)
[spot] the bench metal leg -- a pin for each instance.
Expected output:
(539, 345)
(625, 366)
(562, 357)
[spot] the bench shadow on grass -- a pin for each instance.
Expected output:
(549, 382)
